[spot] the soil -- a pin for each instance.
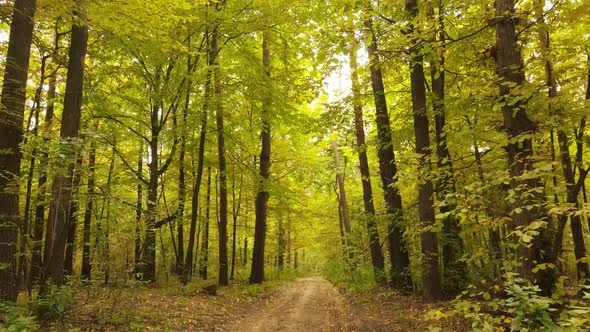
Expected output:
(307, 304)
(304, 304)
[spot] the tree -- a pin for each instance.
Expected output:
(455, 272)
(12, 109)
(398, 252)
(431, 274)
(59, 220)
(377, 258)
(517, 126)
(257, 272)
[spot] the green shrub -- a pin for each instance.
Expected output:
(12, 318)
(514, 306)
(54, 304)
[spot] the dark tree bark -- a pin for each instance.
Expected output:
(222, 225)
(138, 214)
(188, 263)
(567, 166)
(205, 242)
(257, 272)
(343, 209)
(236, 204)
(36, 253)
(398, 252)
(454, 270)
(431, 283)
(148, 255)
(61, 192)
(158, 120)
(86, 273)
(377, 258)
(181, 174)
(519, 149)
(23, 265)
(11, 134)
(73, 223)
(281, 244)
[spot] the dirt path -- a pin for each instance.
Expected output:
(307, 304)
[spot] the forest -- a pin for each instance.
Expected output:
(262, 165)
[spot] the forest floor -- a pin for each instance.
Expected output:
(306, 304)
(303, 304)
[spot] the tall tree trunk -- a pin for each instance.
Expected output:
(257, 272)
(205, 242)
(222, 225)
(398, 252)
(188, 263)
(23, 265)
(37, 245)
(431, 283)
(181, 177)
(86, 273)
(519, 149)
(454, 270)
(11, 134)
(61, 192)
(343, 207)
(138, 214)
(148, 255)
(72, 225)
(377, 258)
(281, 244)
(566, 161)
(236, 204)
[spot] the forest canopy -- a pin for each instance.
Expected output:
(434, 147)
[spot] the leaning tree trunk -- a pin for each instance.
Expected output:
(58, 222)
(257, 272)
(377, 259)
(398, 252)
(11, 134)
(431, 283)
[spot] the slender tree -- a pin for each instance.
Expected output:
(257, 272)
(218, 104)
(377, 258)
(431, 283)
(188, 263)
(203, 269)
(86, 263)
(398, 252)
(454, 269)
(61, 191)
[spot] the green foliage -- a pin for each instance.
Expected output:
(577, 315)
(14, 318)
(531, 311)
(517, 306)
(54, 304)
